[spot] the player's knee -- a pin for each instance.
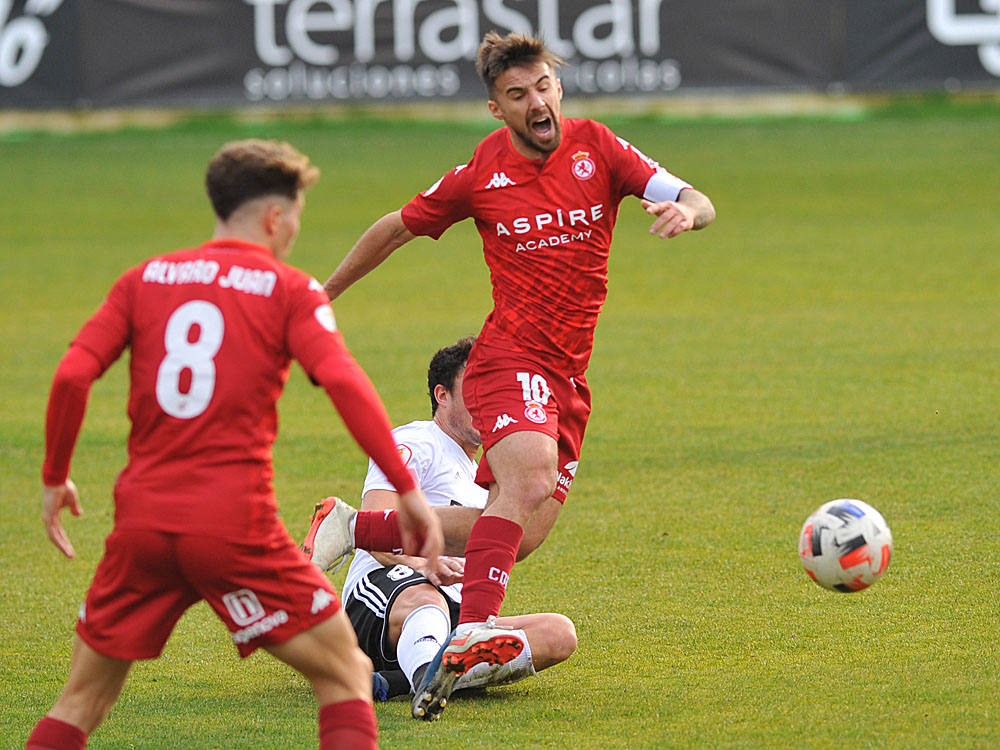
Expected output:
(564, 637)
(418, 596)
(411, 599)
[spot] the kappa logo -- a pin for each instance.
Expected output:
(499, 180)
(504, 420)
(321, 600)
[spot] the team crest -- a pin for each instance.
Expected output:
(405, 453)
(535, 412)
(583, 165)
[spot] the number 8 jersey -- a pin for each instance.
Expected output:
(212, 333)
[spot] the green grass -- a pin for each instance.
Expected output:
(833, 334)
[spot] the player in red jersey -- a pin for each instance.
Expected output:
(212, 332)
(544, 194)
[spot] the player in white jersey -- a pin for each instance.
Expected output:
(400, 617)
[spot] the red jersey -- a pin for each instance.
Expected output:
(212, 333)
(546, 227)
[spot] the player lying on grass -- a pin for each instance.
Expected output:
(400, 617)
(212, 332)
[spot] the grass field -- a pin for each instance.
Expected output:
(835, 333)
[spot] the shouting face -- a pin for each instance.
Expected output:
(527, 99)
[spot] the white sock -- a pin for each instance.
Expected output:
(484, 674)
(351, 526)
(423, 632)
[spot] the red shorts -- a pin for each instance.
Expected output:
(264, 591)
(507, 392)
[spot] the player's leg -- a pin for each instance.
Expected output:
(328, 656)
(94, 684)
(538, 528)
(336, 529)
(269, 596)
(523, 465)
(551, 636)
(418, 623)
(134, 600)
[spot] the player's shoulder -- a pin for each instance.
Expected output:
(419, 431)
(494, 142)
(580, 127)
(492, 149)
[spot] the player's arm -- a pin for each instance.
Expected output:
(67, 405)
(378, 242)
(363, 413)
(379, 500)
(692, 210)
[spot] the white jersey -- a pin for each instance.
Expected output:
(443, 471)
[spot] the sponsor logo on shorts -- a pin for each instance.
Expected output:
(243, 606)
(566, 475)
(261, 627)
(504, 420)
(321, 600)
(535, 412)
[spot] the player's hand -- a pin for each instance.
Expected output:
(450, 569)
(54, 499)
(421, 533)
(672, 218)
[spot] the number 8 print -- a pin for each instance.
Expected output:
(198, 357)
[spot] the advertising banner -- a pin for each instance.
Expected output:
(221, 53)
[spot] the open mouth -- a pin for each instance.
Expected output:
(542, 126)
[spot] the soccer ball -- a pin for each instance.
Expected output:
(845, 545)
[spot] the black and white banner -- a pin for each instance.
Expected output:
(96, 53)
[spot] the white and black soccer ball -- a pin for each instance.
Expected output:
(845, 545)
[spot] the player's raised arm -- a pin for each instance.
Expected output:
(375, 245)
(691, 211)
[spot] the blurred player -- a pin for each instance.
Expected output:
(544, 193)
(401, 618)
(212, 332)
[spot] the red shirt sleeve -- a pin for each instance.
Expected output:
(77, 370)
(444, 203)
(96, 347)
(633, 170)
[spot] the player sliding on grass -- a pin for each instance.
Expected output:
(544, 194)
(212, 333)
(400, 617)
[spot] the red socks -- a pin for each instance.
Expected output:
(377, 531)
(348, 725)
(52, 734)
(489, 557)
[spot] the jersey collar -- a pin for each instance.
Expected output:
(227, 243)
